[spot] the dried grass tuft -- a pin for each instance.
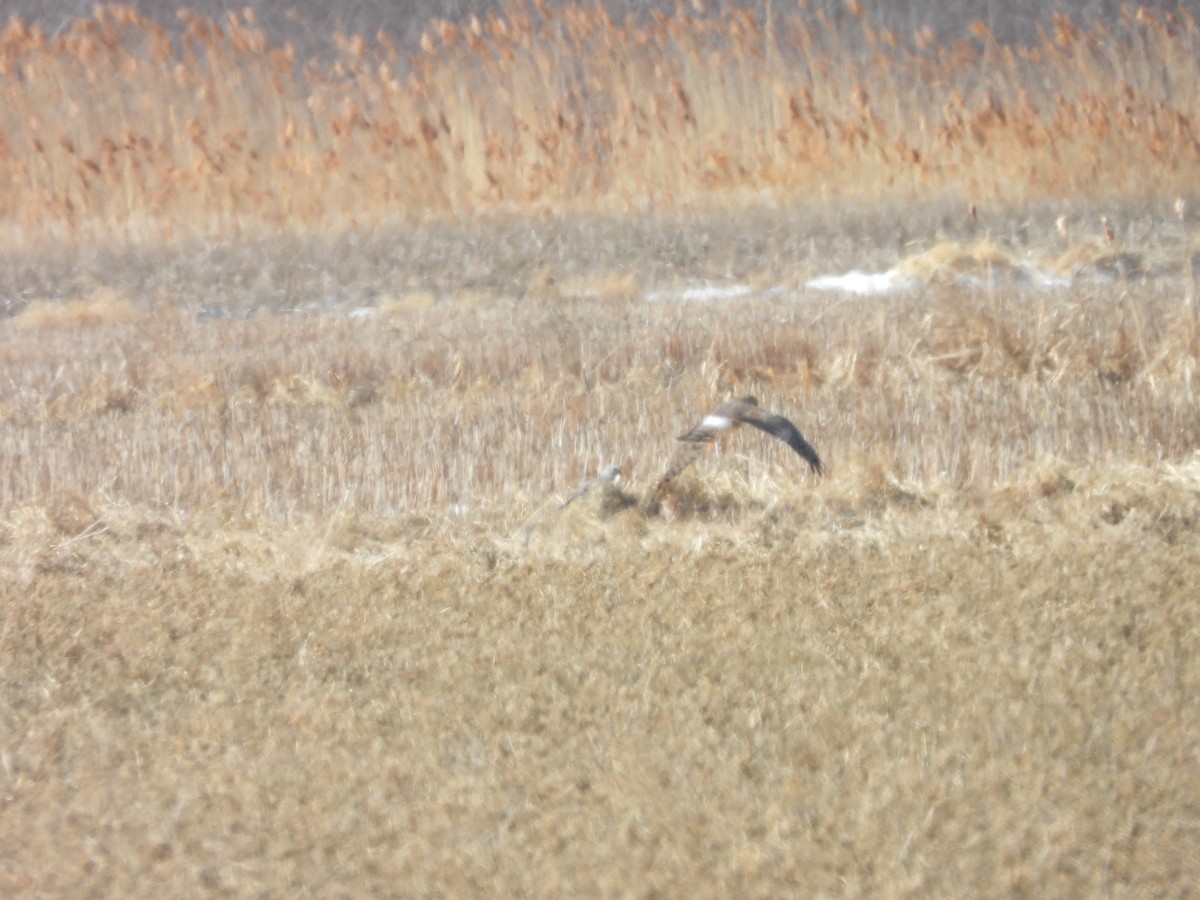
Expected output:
(103, 306)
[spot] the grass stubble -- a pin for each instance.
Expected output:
(289, 605)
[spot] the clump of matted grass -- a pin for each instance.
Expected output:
(103, 306)
(950, 260)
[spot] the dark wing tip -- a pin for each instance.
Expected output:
(797, 442)
(782, 428)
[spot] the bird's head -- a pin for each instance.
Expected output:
(750, 400)
(610, 473)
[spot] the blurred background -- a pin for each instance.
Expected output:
(307, 24)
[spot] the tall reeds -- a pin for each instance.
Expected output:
(116, 128)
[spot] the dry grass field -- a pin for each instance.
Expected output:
(299, 361)
(289, 605)
(801, 696)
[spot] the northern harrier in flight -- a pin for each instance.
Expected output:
(726, 417)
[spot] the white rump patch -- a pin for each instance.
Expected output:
(716, 423)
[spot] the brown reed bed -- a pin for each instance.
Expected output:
(112, 129)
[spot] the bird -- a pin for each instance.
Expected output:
(612, 499)
(608, 475)
(727, 416)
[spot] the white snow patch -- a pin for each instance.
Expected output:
(1040, 279)
(861, 283)
(865, 284)
(706, 293)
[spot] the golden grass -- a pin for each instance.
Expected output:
(438, 401)
(102, 306)
(287, 603)
(538, 109)
(824, 693)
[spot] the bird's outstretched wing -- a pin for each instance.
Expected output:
(783, 429)
(725, 417)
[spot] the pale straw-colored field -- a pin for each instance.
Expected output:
(288, 601)
(291, 606)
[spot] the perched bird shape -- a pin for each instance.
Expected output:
(609, 475)
(726, 417)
